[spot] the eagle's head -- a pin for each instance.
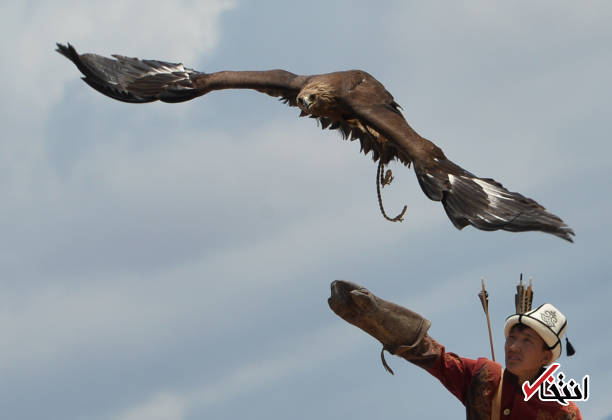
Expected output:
(317, 99)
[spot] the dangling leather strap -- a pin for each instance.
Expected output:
(496, 403)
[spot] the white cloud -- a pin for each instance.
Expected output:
(162, 406)
(180, 30)
(297, 356)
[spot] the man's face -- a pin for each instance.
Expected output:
(525, 352)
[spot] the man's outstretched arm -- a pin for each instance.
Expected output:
(403, 333)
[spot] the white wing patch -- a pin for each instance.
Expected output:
(494, 193)
(167, 69)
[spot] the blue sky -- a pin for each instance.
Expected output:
(173, 261)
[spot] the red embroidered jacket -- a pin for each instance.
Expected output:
(475, 382)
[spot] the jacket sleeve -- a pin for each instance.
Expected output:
(454, 372)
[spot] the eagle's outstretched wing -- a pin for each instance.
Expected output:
(139, 81)
(467, 199)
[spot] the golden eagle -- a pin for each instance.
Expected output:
(352, 102)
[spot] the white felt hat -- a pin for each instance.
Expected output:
(547, 321)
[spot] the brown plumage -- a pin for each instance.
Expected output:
(354, 103)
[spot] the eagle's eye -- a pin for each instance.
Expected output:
(311, 97)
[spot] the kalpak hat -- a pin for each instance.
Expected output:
(548, 322)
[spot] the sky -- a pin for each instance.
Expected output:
(173, 261)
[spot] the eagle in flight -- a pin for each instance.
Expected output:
(352, 102)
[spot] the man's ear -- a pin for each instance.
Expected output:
(547, 357)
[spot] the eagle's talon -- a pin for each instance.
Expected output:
(388, 178)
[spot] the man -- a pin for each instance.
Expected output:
(533, 339)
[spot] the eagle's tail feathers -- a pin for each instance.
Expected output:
(133, 80)
(485, 204)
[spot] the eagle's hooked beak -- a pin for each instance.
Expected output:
(305, 102)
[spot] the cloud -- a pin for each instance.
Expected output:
(162, 406)
(297, 356)
(181, 30)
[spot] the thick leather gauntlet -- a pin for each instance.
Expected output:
(397, 328)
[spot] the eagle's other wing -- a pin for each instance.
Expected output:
(138, 81)
(467, 199)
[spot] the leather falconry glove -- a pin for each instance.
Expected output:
(397, 328)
